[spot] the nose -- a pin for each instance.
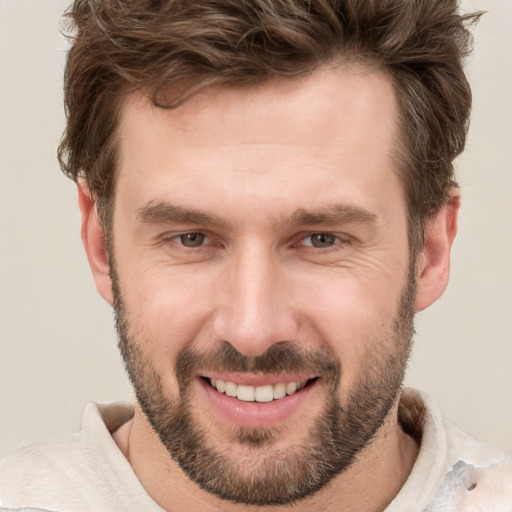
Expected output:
(255, 306)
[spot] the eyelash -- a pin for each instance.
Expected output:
(338, 240)
(175, 238)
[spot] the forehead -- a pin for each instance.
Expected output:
(327, 98)
(277, 139)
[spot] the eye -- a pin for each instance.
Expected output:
(321, 240)
(192, 239)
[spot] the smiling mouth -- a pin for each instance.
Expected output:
(260, 394)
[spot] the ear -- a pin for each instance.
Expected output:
(433, 266)
(93, 239)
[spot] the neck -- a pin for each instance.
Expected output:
(368, 485)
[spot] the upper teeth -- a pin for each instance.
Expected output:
(257, 393)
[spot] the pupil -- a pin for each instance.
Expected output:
(322, 240)
(192, 239)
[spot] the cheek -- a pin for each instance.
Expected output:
(168, 309)
(354, 315)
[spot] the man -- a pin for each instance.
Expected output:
(267, 198)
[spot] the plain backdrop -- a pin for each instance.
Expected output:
(57, 344)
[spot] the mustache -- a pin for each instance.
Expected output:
(278, 358)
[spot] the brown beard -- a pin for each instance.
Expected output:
(271, 476)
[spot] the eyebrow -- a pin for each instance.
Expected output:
(160, 213)
(333, 214)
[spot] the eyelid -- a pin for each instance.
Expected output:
(309, 236)
(341, 241)
(338, 236)
(175, 236)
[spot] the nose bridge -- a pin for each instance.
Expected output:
(254, 310)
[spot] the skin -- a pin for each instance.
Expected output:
(255, 157)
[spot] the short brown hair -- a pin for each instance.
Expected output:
(120, 46)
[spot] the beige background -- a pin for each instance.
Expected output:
(57, 344)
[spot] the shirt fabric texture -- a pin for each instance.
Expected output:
(88, 472)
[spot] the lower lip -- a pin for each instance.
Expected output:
(257, 414)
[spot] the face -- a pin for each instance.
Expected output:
(261, 278)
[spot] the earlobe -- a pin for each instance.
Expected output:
(433, 265)
(94, 242)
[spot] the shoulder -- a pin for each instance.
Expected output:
(493, 488)
(62, 475)
(36, 471)
(467, 488)
(479, 479)
(453, 471)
